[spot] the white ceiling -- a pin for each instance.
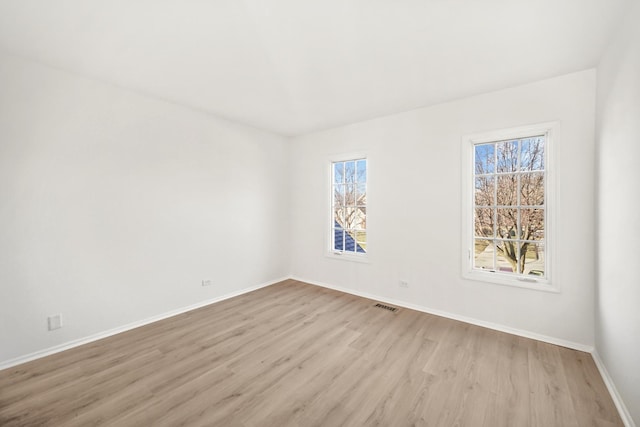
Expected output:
(296, 66)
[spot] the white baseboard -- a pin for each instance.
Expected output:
(489, 325)
(608, 381)
(85, 340)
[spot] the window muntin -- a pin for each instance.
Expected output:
(509, 209)
(349, 206)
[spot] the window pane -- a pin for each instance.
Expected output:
(338, 239)
(507, 156)
(485, 158)
(338, 173)
(506, 256)
(358, 218)
(361, 241)
(485, 191)
(484, 222)
(350, 171)
(507, 224)
(350, 195)
(338, 217)
(350, 214)
(338, 195)
(532, 154)
(507, 194)
(532, 189)
(534, 259)
(532, 224)
(361, 171)
(483, 254)
(349, 241)
(361, 194)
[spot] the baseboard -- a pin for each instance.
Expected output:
(608, 381)
(100, 335)
(489, 325)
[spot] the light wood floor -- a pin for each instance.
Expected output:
(299, 355)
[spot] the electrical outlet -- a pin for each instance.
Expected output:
(403, 284)
(55, 322)
(207, 283)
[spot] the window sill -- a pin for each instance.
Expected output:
(341, 256)
(495, 278)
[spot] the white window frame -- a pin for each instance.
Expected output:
(549, 130)
(330, 252)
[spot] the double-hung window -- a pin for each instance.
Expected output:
(348, 230)
(507, 216)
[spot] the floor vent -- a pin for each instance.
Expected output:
(386, 307)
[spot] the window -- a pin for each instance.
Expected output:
(349, 207)
(507, 218)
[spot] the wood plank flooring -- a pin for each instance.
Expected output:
(294, 354)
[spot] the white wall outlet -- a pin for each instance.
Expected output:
(207, 283)
(403, 284)
(54, 322)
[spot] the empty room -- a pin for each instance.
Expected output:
(319, 213)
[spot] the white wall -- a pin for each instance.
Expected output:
(114, 206)
(414, 216)
(618, 149)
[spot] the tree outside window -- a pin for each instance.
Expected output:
(509, 206)
(349, 206)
